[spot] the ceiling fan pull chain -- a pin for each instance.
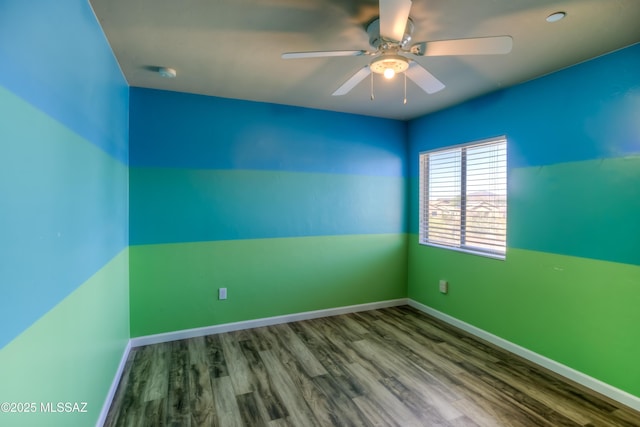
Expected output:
(405, 89)
(372, 97)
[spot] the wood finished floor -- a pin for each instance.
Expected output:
(388, 367)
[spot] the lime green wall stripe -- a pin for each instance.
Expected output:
(71, 353)
(176, 284)
(580, 312)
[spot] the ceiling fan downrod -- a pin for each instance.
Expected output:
(405, 89)
(372, 97)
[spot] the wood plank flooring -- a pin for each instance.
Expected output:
(388, 367)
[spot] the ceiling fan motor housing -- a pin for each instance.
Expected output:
(379, 42)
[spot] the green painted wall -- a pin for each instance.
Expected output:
(291, 209)
(569, 287)
(64, 111)
(71, 353)
(577, 311)
(64, 277)
(264, 277)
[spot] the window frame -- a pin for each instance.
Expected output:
(426, 214)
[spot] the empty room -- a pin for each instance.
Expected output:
(349, 213)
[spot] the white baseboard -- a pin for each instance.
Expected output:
(563, 370)
(567, 372)
(114, 386)
(267, 321)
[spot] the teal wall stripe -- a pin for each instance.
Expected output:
(586, 209)
(182, 205)
(64, 212)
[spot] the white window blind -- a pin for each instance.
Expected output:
(463, 197)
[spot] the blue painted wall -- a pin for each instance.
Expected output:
(588, 111)
(571, 278)
(64, 212)
(290, 209)
(64, 108)
(555, 125)
(206, 168)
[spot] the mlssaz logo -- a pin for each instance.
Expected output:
(67, 407)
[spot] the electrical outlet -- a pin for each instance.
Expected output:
(222, 293)
(444, 286)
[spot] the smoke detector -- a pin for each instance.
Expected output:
(166, 72)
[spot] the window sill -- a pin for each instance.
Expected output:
(500, 257)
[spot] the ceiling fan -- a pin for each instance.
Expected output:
(390, 35)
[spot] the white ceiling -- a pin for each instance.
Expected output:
(232, 48)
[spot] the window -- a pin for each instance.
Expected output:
(463, 197)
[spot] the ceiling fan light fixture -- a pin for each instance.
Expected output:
(389, 65)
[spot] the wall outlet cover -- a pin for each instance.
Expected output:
(444, 286)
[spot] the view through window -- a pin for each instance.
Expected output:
(463, 197)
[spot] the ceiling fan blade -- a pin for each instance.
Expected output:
(393, 18)
(420, 76)
(346, 87)
(322, 54)
(476, 46)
